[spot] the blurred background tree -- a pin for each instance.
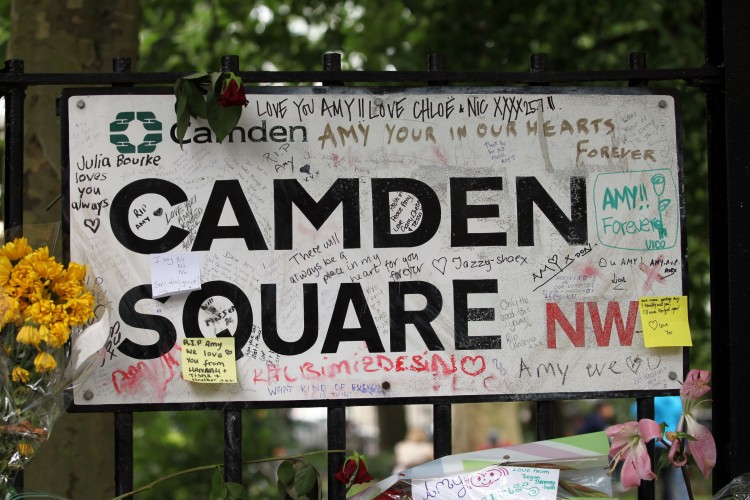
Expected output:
(184, 35)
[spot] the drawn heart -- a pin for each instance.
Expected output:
(158, 212)
(92, 224)
(634, 364)
(305, 169)
(440, 264)
(473, 365)
(553, 259)
(653, 324)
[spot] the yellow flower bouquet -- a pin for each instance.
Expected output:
(41, 303)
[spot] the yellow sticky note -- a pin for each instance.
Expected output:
(209, 361)
(665, 321)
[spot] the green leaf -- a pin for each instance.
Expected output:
(236, 491)
(285, 472)
(305, 479)
(180, 96)
(216, 77)
(222, 119)
(196, 76)
(218, 488)
(663, 204)
(685, 435)
(662, 463)
(196, 103)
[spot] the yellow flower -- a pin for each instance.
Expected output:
(44, 265)
(5, 268)
(41, 311)
(16, 249)
(12, 313)
(75, 272)
(26, 449)
(80, 309)
(20, 374)
(55, 335)
(28, 335)
(44, 362)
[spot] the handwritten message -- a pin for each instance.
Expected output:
(496, 482)
(175, 273)
(366, 244)
(665, 321)
(209, 361)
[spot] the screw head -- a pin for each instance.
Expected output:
(88, 395)
(672, 376)
(386, 385)
(81, 104)
(662, 104)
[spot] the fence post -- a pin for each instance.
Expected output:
(336, 418)
(123, 419)
(14, 138)
(545, 410)
(442, 414)
(232, 416)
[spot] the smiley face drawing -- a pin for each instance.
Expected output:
(488, 476)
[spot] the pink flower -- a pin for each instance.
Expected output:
(676, 457)
(629, 445)
(703, 448)
(695, 385)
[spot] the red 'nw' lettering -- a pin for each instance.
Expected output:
(602, 331)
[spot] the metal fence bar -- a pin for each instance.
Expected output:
(731, 255)
(124, 469)
(13, 186)
(336, 424)
(645, 409)
(123, 452)
(233, 445)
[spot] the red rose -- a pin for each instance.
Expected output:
(232, 93)
(353, 471)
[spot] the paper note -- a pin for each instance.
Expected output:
(492, 483)
(665, 321)
(174, 273)
(209, 361)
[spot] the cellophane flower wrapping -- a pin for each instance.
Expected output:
(571, 467)
(42, 303)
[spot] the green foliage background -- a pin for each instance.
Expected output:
(186, 35)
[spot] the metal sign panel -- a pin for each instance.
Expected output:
(369, 245)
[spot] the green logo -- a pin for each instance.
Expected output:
(122, 141)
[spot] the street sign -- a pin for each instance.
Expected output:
(365, 245)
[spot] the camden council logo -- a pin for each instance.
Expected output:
(135, 132)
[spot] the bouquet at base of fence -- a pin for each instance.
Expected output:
(41, 303)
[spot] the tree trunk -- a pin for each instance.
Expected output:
(475, 423)
(392, 424)
(70, 36)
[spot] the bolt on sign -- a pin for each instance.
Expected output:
(370, 244)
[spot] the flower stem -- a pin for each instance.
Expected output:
(687, 482)
(216, 466)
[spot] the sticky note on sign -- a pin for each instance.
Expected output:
(174, 273)
(209, 361)
(665, 321)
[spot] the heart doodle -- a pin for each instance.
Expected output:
(634, 364)
(158, 212)
(553, 259)
(440, 264)
(305, 169)
(473, 365)
(653, 324)
(92, 224)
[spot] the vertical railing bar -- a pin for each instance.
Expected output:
(233, 445)
(14, 144)
(545, 410)
(13, 188)
(123, 452)
(645, 409)
(232, 416)
(442, 422)
(718, 246)
(123, 420)
(336, 421)
(442, 419)
(644, 406)
(336, 426)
